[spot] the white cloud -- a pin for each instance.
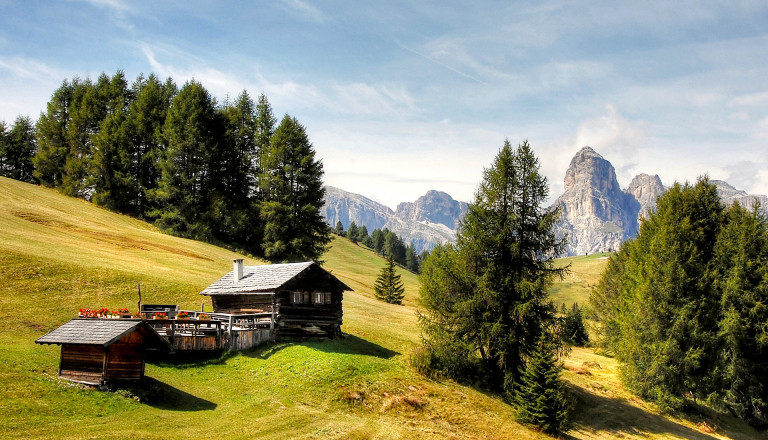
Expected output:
(611, 133)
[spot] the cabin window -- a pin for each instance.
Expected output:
(319, 298)
(297, 297)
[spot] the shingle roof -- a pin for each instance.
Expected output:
(96, 332)
(260, 279)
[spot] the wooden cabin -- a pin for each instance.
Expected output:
(97, 351)
(303, 298)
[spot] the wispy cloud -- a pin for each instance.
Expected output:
(306, 11)
(439, 63)
(32, 70)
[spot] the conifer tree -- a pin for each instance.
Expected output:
(339, 229)
(189, 165)
(362, 236)
(53, 134)
(541, 399)
(388, 286)
(292, 190)
(352, 233)
(487, 299)
(574, 330)
(742, 277)
(144, 123)
(17, 148)
(411, 258)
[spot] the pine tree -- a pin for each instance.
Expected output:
(189, 164)
(388, 286)
(17, 150)
(291, 184)
(574, 330)
(352, 233)
(541, 399)
(742, 277)
(489, 295)
(339, 229)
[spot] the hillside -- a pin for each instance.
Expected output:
(58, 254)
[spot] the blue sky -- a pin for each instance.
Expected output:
(402, 97)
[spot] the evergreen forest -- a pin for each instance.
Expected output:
(228, 173)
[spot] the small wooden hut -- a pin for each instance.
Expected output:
(97, 351)
(303, 298)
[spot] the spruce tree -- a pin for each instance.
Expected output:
(662, 306)
(540, 398)
(742, 277)
(486, 300)
(388, 286)
(18, 149)
(574, 330)
(189, 165)
(291, 184)
(339, 229)
(352, 233)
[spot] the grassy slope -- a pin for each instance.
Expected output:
(58, 254)
(583, 275)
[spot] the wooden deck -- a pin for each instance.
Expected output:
(218, 331)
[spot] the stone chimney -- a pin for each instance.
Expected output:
(238, 269)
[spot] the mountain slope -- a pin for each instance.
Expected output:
(58, 254)
(430, 220)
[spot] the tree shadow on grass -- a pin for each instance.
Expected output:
(160, 395)
(349, 344)
(603, 416)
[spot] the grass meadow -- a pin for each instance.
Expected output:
(58, 254)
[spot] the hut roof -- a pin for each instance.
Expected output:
(267, 279)
(102, 332)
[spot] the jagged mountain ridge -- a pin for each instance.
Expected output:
(430, 220)
(597, 214)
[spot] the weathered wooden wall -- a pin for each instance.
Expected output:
(309, 319)
(242, 303)
(245, 339)
(197, 342)
(82, 363)
(125, 358)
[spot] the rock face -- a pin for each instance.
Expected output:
(434, 207)
(645, 189)
(430, 220)
(729, 194)
(596, 214)
(348, 207)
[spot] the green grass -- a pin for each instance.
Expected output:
(583, 274)
(58, 254)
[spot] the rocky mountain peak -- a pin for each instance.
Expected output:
(646, 189)
(596, 214)
(588, 169)
(433, 207)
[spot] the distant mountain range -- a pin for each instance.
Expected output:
(430, 220)
(597, 214)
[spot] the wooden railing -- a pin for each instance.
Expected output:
(211, 323)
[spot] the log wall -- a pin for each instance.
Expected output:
(82, 363)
